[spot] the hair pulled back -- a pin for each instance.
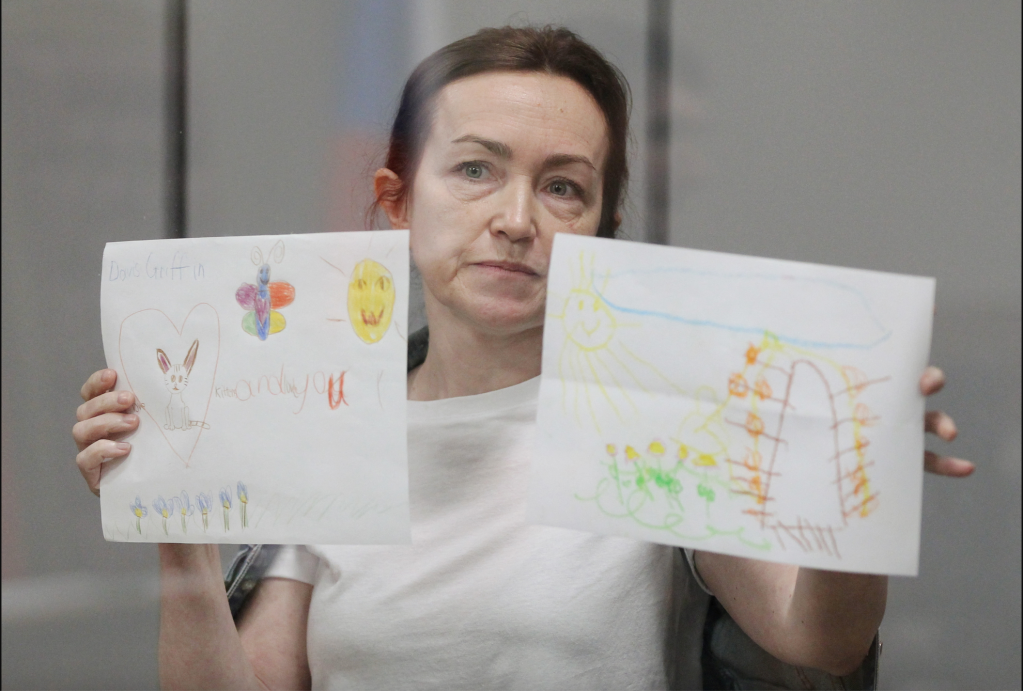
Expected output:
(550, 50)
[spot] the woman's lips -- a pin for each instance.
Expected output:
(510, 267)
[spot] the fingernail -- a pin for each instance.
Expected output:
(131, 419)
(123, 446)
(124, 397)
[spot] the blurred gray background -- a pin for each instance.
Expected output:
(872, 134)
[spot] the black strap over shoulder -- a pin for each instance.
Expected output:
(731, 660)
(418, 344)
(245, 572)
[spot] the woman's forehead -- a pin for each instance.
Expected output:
(524, 111)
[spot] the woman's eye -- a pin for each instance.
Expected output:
(474, 171)
(563, 188)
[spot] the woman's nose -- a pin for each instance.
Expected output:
(515, 218)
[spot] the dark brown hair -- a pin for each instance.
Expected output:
(551, 50)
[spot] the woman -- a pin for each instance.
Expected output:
(502, 140)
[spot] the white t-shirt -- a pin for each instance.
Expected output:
(483, 600)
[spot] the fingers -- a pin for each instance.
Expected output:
(98, 382)
(90, 460)
(109, 402)
(931, 381)
(101, 417)
(941, 424)
(947, 465)
(937, 422)
(103, 426)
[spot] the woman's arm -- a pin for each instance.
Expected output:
(199, 644)
(273, 633)
(806, 617)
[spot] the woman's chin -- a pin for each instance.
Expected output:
(504, 316)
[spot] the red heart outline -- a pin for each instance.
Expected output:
(216, 363)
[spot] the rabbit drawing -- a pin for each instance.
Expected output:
(175, 378)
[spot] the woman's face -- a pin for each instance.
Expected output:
(512, 159)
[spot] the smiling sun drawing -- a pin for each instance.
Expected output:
(370, 300)
(596, 367)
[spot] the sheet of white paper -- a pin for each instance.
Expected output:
(270, 377)
(749, 406)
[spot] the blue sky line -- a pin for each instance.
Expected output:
(759, 331)
(768, 277)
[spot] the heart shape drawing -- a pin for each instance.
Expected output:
(171, 371)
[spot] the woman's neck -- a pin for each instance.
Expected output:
(463, 360)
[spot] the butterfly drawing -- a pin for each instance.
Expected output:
(264, 298)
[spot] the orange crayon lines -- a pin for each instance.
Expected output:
(737, 385)
(856, 381)
(868, 504)
(754, 424)
(336, 395)
(755, 484)
(864, 415)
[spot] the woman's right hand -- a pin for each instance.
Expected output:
(102, 421)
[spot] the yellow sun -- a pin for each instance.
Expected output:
(370, 300)
(596, 367)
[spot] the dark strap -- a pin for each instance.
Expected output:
(731, 660)
(418, 344)
(249, 565)
(245, 572)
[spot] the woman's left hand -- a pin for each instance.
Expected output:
(941, 424)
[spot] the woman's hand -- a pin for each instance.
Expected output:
(941, 424)
(102, 420)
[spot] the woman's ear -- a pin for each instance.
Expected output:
(387, 186)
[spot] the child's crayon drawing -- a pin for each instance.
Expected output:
(741, 456)
(735, 404)
(226, 503)
(598, 367)
(239, 425)
(173, 371)
(139, 512)
(176, 517)
(370, 300)
(175, 378)
(205, 501)
(243, 498)
(264, 298)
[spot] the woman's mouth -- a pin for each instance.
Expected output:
(509, 267)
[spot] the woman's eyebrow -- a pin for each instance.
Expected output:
(557, 160)
(496, 148)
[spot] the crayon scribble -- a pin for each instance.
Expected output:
(732, 465)
(264, 298)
